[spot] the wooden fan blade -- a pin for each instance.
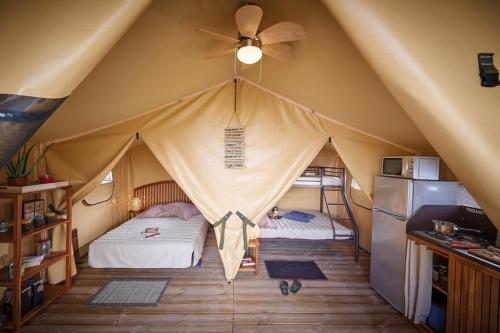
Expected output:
(278, 51)
(218, 36)
(248, 19)
(220, 54)
(282, 32)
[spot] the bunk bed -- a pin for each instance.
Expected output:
(324, 225)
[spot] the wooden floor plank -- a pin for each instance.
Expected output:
(198, 299)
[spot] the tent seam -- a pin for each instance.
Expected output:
(325, 117)
(237, 77)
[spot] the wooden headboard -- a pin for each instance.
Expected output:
(160, 192)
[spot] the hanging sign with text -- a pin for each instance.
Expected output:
(234, 148)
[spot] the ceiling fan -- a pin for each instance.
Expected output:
(251, 43)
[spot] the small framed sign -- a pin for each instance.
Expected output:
(234, 147)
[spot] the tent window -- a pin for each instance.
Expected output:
(108, 179)
(355, 185)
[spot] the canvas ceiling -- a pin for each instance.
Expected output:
(159, 60)
(49, 46)
(426, 60)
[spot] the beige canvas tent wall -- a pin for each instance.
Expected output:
(187, 139)
(49, 48)
(159, 61)
(428, 61)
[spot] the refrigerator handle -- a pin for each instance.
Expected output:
(399, 218)
(395, 216)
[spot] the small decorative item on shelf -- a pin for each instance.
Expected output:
(26, 300)
(4, 225)
(27, 225)
(31, 208)
(43, 247)
(60, 214)
(50, 217)
(45, 179)
(17, 170)
(36, 285)
(435, 273)
(11, 270)
(39, 221)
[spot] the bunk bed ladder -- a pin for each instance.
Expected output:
(342, 172)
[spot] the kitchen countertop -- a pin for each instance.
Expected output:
(419, 234)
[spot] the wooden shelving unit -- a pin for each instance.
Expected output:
(16, 236)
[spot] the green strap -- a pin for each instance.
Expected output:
(245, 223)
(222, 222)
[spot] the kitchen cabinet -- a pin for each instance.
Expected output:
(473, 293)
(473, 297)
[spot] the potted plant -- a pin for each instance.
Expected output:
(17, 170)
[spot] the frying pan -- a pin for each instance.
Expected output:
(450, 229)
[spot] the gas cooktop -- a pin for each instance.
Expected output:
(460, 237)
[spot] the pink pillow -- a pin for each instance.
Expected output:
(183, 210)
(152, 211)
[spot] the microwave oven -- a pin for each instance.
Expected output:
(412, 167)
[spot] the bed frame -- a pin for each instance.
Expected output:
(313, 177)
(160, 193)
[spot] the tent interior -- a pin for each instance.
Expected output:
(187, 166)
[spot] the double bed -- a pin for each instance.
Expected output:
(179, 243)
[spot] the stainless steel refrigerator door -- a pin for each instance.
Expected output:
(387, 269)
(393, 195)
(434, 193)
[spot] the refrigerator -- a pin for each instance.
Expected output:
(394, 201)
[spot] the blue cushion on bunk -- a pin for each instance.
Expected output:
(298, 216)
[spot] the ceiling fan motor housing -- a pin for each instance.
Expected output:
(246, 41)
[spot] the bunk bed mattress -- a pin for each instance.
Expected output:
(316, 181)
(318, 228)
(179, 245)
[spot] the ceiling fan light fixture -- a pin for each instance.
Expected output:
(249, 52)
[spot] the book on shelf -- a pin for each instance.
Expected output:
(247, 264)
(248, 261)
(32, 261)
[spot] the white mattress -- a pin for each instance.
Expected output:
(318, 228)
(315, 181)
(179, 245)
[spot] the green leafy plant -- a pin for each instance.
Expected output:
(18, 168)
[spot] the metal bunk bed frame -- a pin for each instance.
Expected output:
(313, 177)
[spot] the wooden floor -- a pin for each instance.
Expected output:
(200, 300)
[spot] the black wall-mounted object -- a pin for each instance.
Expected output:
(20, 117)
(487, 71)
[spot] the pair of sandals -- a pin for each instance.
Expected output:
(296, 285)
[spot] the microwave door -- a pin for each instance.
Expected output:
(393, 195)
(392, 166)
